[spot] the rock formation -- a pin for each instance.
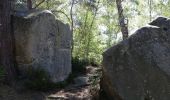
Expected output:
(43, 42)
(139, 68)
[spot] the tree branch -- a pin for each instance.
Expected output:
(39, 4)
(72, 25)
(59, 11)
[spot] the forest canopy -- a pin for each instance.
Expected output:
(95, 23)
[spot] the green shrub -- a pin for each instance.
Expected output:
(79, 65)
(38, 79)
(93, 62)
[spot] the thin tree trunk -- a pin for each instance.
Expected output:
(123, 25)
(29, 4)
(72, 26)
(150, 9)
(6, 41)
(89, 37)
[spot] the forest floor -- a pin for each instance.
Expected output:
(84, 87)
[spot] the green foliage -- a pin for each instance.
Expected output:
(79, 65)
(95, 22)
(87, 37)
(38, 79)
(95, 83)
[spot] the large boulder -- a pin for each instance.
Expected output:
(43, 42)
(139, 68)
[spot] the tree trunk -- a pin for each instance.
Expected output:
(150, 10)
(29, 4)
(72, 27)
(6, 41)
(123, 25)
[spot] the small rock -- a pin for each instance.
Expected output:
(81, 81)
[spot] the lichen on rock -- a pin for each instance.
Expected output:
(43, 42)
(139, 68)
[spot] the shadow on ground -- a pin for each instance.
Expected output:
(82, 88)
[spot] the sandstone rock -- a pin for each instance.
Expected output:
(81, 81)
(43, 42)
(139, 68)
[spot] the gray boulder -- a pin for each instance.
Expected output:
(81, 81)
(139, 68)
(43, 42)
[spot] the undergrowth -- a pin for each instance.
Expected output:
(79, 65)
(38, 79)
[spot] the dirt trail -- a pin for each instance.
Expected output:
(79, 90)
(8, 93)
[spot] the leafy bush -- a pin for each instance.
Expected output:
(95, 83)
(38, 79)
(79, 65)
(93, 62)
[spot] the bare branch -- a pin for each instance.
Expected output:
(59, 11)
(39, 4)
